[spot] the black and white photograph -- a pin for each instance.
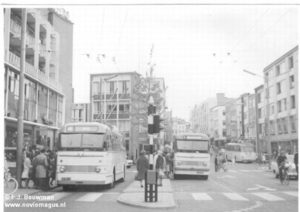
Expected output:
(129, 106)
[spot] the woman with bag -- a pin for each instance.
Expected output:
(142, 165)
(159, 166)
(27, 166)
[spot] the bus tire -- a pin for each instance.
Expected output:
(124, 174)
(112, 184)
(205, 177)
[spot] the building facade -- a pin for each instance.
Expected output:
(261, 121)
(281, 81)
(44, 98)
(81, 112)
(217, 125)
(250, 120)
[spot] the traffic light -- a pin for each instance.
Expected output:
(156, 124)
(151, 112)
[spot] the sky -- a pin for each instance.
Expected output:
(199, 50)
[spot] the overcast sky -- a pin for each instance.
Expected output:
(185, 40)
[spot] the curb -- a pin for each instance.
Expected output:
(143, 205)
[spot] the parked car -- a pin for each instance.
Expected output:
(129, 163)
(292, 170)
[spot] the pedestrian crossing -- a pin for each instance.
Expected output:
(256, 196)
(195, 196)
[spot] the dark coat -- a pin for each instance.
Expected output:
(41, 166)
(296, 158)
(142, 166)
(280, 159)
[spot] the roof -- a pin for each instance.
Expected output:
(119, 73)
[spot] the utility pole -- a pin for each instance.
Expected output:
(21, 97)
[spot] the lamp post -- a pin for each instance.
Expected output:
(268, 114)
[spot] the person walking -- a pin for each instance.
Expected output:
(222, 162)
(142, 165)
(169, 163)
(27, 166)
(280, 162)
(159, 166)
(263, 158)
(41, 169)
(216, 163)
(296, 161)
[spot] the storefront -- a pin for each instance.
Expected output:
(288, 146)
(36, 135)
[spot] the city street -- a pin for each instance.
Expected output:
(245, 187)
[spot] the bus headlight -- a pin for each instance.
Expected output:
(204, 164)
(62, 169)
(178, 163)
(98, 169)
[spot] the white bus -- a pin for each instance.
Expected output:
(192, 155)
(241, 152)
(90, 153)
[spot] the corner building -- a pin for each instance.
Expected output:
(48, 80)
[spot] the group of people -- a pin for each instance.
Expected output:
(39, 166)
(220, 162)
(163, 163)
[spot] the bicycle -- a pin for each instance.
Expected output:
(10, 184)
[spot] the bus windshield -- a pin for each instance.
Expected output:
(86, 141)
(247, 148)
(192, 146)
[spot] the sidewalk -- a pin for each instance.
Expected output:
(134, 195)
(23, 191)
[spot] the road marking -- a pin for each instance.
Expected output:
(292, 193)
(268, 197)
(201, 196)
(222, 185)
(91, 197)
(257, 205)
(235, 196)
(58, 196)
(260, 187)
(245, 170)
(227, 176)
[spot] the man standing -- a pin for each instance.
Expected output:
(281, 158)
(296, 160)
(41, 169)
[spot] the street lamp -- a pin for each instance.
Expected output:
(268, 113)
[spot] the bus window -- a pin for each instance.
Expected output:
(92, 140)
(248, 149)
(70, 140)
(237, 148)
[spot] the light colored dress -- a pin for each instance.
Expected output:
(27, 165)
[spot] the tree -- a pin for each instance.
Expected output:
(144, 88)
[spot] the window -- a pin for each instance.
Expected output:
(125, 87)
(291, 63)
(272, 109)
(279, 109)
(292, 81)
(96, 90)
(272, 128)
(245, 103)
(293, 125)
(277, 70)
(278, 88)
(112, 87)
(293, 102)
(284, 125)
(284, 104)
(279, 126)
(245, 115)
(259, 113)
(259, 98)
(260, 127)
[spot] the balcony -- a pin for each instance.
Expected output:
(43, 77)
(15, 27)
(14, 60)
(29, 69)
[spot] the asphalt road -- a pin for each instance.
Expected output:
(245, 187)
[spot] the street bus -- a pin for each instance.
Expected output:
(241, 152)
(192, 155)
(90, 153)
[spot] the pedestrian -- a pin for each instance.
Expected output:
(259, 158)
(41, 169)
(159, 166)
(32, 175)
(27, 167)
(216, 163)
(222, 162)
(280, 162)
(263, 158)
(142, 165)
(296, 161)
(169, 163)
(233, 159)
(51, 169)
